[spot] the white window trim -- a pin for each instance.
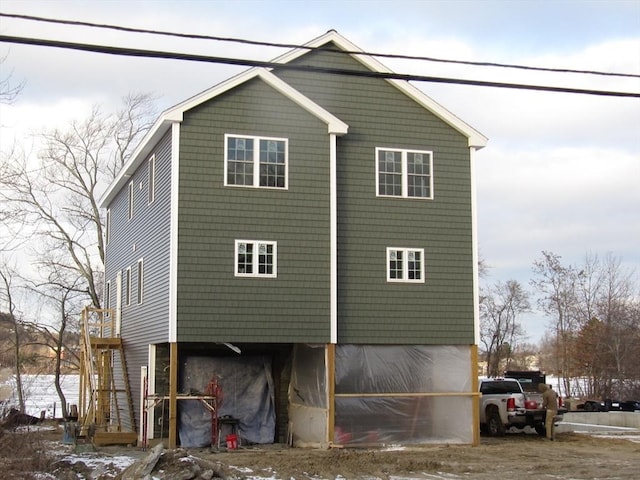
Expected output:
(140, 284)
(405, 264)
(152, 179)
(107, 297)
(256, 244)
(256, 161)
(127, 286)
(107, 227)
(405, 175)
(130, 213)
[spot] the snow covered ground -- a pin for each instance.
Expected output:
(40, 393)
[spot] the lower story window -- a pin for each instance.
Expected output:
(255, 258)
(405, 265)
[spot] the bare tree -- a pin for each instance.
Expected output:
(11, 319)
(52, 203)
(57, 196)
(556, 285)
(500, 330)
(9, 90)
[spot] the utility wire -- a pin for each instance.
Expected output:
(294, 46)
(130, 52)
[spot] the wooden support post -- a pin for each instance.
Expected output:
(475, 399)
(173, 393)
(331, 391)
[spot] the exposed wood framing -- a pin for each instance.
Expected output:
(173, 394)
(331, 383)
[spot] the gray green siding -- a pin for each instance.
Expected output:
(213, 304)
(371, 311)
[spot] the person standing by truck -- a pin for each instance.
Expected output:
(550, 403)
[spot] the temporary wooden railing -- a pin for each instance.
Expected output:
(100, 408)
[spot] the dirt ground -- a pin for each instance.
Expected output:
(571, 457)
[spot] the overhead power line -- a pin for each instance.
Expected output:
(130, 52)
(295, 46)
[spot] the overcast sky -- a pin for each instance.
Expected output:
(561, 171)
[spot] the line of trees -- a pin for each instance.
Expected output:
(51, 228)
(593, 342)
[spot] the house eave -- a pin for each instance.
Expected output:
(475, 139)
(176, 115)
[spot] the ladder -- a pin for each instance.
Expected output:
(105, 404)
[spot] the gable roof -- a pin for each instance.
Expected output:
(175, 114)
(336, 126)
(476, 139)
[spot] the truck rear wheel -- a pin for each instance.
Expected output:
(495, 427)
(540, 429)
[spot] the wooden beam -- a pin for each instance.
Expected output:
(331, 394)
(173, 395)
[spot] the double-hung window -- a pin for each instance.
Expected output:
(405, 265)
(404, 173)
(255, 161)
(256, 258)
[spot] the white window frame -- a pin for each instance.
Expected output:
(107, 227)
(107, 297)
(255, 260)
(405, 264)
(130, 200)
(152, 179)
(127, 286)
(404, 172)
(256, 161)
(140, 289)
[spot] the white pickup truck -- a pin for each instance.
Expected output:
(505, 404)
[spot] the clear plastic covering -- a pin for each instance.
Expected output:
(247, 392)
(308, 395)
(403, 394)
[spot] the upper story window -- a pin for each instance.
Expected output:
(404, 173)
(130, 200)
(405, 265)
(152, 179)
(256, 258)
(127, 287)
(140, 293)
(107, 227)
(256, 161)
(107, 297)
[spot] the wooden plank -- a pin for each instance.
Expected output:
(173, 394)
(106, 342)
(115, 438)
(331, 383)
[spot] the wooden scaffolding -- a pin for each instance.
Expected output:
(105, 410)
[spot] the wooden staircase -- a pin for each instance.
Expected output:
(105, 404)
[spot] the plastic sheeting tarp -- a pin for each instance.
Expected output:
(393, 374)
(247, 391)
(308, 395)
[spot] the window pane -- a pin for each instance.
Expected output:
(240, 161)
(414, 265)
(272, 163)
(265, 259)
(419, 173)
(395, 264)
(245, 258)
(389, 173)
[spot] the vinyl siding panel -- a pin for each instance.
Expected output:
(213, 304)
(146, 237)
(371, 310)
